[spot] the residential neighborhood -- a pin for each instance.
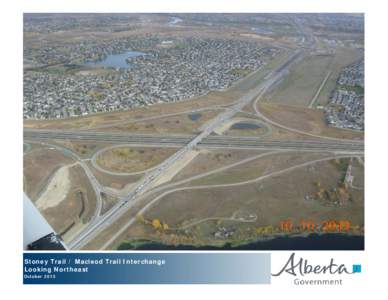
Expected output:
(346, 107)
(160, 70)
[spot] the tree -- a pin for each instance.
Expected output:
(156, 224)
(140, 218)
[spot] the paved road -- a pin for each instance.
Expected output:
(199, 140)
(230, 142)
(143, 185)
(187, 143)
(93, 180)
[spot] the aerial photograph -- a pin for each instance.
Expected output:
(193, 131)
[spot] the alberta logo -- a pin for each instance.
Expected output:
(301, 267)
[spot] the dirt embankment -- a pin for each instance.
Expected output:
(56, 191)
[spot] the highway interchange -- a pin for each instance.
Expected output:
(186, 143)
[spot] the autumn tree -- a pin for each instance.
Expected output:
(156, 224)
(140, 218)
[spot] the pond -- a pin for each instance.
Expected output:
(173, 21)
(117, 61)
(245, 125)
(261, 31)
(194, 116)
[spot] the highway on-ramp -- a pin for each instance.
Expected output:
(187, 143)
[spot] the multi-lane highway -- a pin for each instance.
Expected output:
(210, 141)
(187, 143)
(149, 178)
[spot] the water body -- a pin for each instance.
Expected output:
(312, 242)
(173, 21)
(245, 125)
(261, 31)
(194, 116)
(117, 61)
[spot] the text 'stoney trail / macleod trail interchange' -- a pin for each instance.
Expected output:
(195, 131)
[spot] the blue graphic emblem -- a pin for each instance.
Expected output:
(356, 268)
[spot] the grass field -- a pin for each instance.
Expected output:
(208, 160)
(304, 79)
(269, 203)
(307, 120)
(184, 123)
(116, 182)
(259, 167)
(264, 199)
(126, 160)
(83, 149)
(343, 57)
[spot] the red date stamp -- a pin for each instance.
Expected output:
(308, 225)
